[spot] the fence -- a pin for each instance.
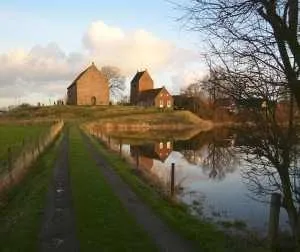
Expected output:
(170, 188)
(19, 157)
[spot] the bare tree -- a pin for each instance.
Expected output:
(115, 78)
(254, 41)
(194, 89)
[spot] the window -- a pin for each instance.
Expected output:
(161, 103)
(168, 145)
(161, 145)
(168, 103)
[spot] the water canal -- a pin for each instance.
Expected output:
(224, 175)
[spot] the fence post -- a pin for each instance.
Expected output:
(23, 152)
(172, 179)
(23, 157)
(9, 163)
(274, 220)
(120, 151)
(32, 148)
(137, 159)
(38, 146)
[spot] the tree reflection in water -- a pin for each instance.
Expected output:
(213, 152)
(271, 154)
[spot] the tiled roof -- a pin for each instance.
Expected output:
(148, 94)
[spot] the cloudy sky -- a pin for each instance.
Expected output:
(45, 44)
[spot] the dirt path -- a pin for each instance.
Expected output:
(58, 227)
(162, 235)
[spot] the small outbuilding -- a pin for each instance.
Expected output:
(158, 97)
(89, 88)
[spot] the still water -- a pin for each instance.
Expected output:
(222, 175)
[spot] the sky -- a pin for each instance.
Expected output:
(46, 44)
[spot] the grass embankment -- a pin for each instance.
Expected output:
(15, 135)
(168, 117)
(21, 208)
(204, 234)
(106, 114)
(77, 113)
(102, 222)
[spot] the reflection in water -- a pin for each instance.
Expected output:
(233, 173)
(272, 159)
(145, 154)
(213, 151)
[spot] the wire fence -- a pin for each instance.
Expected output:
(18, 157)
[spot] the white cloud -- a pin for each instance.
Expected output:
(99, 32)
(128, 50)
(47, 70)
(38, 70)
(181, 79)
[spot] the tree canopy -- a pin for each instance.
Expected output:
(253, 42)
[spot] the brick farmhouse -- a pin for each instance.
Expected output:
(89, 88)
(142, 92)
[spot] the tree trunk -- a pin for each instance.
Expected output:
(295, 88)
(289, 203)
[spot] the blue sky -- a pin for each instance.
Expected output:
(76, 27)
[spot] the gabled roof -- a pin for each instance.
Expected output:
(137, 76)
(82, 73)
(149, 94)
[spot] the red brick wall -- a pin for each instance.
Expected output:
(92, 84)
(145, 162)
(163, 149)
(144, 83)
(163, 98)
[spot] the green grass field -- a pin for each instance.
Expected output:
(15, 135)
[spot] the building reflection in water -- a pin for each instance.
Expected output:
(145, 155)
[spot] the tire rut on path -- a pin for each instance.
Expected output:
(161, 234)
(58, 228)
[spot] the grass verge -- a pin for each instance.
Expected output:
(102, 222)
(205, 235)
(21, 208)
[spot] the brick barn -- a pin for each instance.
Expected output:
(89, 88)
(142, 92)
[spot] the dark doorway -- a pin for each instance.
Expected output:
(93, 100)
